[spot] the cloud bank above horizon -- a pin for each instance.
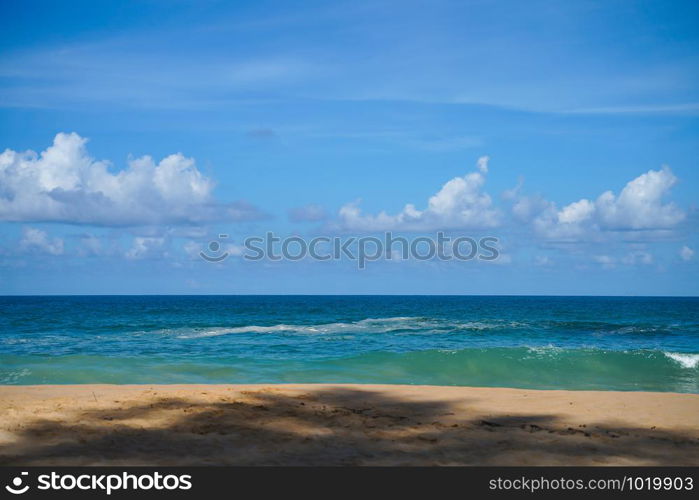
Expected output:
(172, 200)
(65, 184)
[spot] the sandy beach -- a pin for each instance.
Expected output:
(343, 425)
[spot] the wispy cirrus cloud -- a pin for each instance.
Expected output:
(383, 54)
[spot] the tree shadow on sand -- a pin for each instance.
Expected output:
(326, 426)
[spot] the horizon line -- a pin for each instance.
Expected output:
(338, 295)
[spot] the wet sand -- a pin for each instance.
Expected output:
(343, 425)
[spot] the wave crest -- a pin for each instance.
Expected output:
(684, 359)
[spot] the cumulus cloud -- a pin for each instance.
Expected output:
(36, 240)
(639, 207)
(640, 204)
(686, 253)
(460, 203)
(64, 184)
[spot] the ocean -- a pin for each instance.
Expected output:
(596, 343)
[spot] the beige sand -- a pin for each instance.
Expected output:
(343, 425)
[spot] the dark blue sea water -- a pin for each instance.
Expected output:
(532, 342)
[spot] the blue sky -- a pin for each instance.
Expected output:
(322, 118)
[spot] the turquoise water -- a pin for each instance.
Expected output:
(530, 342)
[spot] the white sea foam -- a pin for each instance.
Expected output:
(13, 377)
(368, 325)
(404, 324)
(684, 359)
(487, 325)
(543, 351)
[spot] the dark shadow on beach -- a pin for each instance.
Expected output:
(329, 426)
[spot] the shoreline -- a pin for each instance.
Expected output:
(343, 424)
(329, 384)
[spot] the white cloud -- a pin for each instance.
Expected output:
(638, 257)
(194, 249)
(605, 261)
(686, 253)
(38, 241)
(525, 208)
(234, 250)
(482, 164)
(543, 261)
(459, 204)
(633, 258)
(513, 193)
(64, 184)
(503, 259)
(307, 213)
(90, 245)
(577, 212)
(639, 206)
(143, 248)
